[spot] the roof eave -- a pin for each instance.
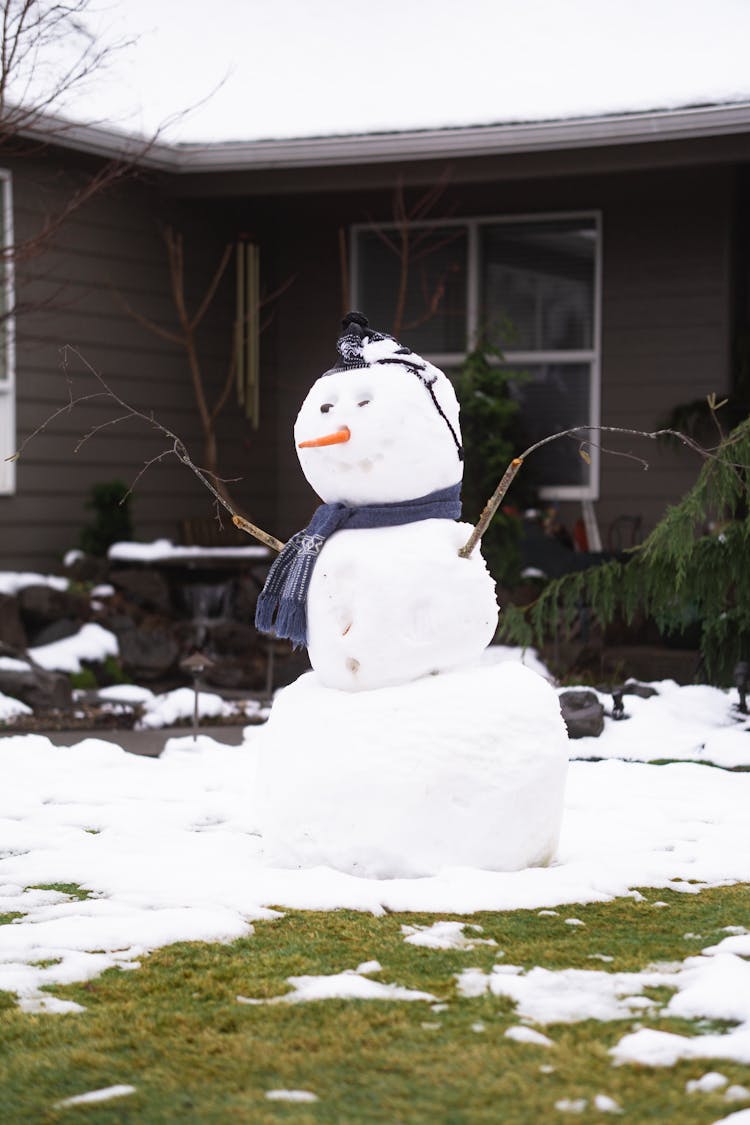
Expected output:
(418, 144)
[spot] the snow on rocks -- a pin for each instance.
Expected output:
(11, 581)
(91, 643)
(11, 708)
(466, 768)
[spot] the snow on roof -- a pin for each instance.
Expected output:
(296, 70)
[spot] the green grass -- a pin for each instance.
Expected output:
(174, 1029)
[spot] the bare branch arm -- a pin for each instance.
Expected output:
(496, 499)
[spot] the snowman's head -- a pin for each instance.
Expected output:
(380, 426)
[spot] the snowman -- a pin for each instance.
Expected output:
(402, 752)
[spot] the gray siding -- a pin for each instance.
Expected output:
(69, 295)
(666, 327)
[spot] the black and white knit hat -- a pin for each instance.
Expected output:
(361, 346)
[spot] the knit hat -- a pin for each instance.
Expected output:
(361, 346)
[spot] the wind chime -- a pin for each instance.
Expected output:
(247, 331)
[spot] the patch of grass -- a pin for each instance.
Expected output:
(70, 889)
(6, 919)
(175, 1031)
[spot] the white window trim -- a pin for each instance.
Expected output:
(8, 343)
(592, 356)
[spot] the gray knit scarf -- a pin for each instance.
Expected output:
(282, 605)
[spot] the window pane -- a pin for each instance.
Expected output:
(554, 397)
(434, 317)
(538, 284)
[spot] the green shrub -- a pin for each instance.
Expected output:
(112, 521)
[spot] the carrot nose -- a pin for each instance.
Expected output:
(328, 439)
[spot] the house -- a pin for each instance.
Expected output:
(609, 258)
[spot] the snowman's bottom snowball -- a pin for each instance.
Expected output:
(462, 768)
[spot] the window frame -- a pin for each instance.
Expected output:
(513, 358)
(8, 344)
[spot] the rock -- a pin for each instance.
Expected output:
(147, 588)
(55, 631)
(583, 713)
(87, 568)
(40, 689)
(12, 632)
(232, 638)
(643, 691)
(148, 654)
(42, 605)
(236, 674)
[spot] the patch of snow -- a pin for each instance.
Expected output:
(12, 581)
(9, 664)
(742, 1117)
(523, 1034)
(72, 556)
(605, 1104)
(91, 643)
(692, 722)
(349, 985)
(11, 708)
(444, 935)
(706, 1084)
(736, 1094)
(126, 693)
(168, 709)
(291, 1096)
(104, 590)
(164, 550)
(571, 1105)
(104, 1095)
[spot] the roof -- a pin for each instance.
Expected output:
(418, 144)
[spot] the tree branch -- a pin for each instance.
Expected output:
(498, 495)
(176, 448)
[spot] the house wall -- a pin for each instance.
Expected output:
(112, 251)
(665, 311)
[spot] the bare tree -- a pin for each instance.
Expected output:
(412, 236)
(184, 335)
(47, 55)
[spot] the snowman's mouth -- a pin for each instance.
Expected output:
(335, 438)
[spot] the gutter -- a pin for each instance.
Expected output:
(421, 144)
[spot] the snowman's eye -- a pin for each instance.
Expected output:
(326, 407)
(364, 402)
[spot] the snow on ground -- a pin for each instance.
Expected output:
(352, 984)
(168, 850)
(694, 722)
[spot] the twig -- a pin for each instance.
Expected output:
(496, 499)
(177, 446)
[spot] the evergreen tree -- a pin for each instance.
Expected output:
(695, 562)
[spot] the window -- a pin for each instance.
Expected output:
(528, 285)
(7, 349)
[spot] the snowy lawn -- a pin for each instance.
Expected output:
(616, 979)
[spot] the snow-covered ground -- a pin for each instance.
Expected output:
(168, 849)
